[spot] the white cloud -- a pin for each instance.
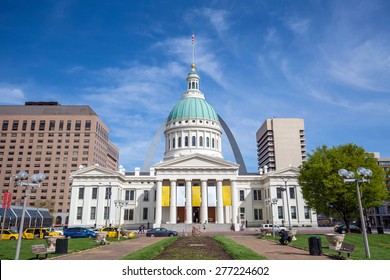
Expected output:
(299, 26)
(11, 95)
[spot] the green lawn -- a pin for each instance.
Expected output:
(8, 247)
(379, 245)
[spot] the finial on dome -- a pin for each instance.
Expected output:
(193, 65)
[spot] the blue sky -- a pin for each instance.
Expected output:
(327, 62)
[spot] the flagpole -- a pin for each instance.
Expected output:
(193, 48)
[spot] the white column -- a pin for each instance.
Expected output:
(172, 203)
(204, 204)
(188, 202)
(219, 203)
(158, 220)
(235, 219)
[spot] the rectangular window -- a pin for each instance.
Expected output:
(106, 213)
(129, 195)
(79, 213)
(61, 126)
(146, 195)
(292, 193)
(242, 212)
(94, 193)
(242, 195)
(307, 213)
(15, 125)
(144, 213)
(5, 125)
(280, 212)
(293, 212)
(52, 125)
(256, 194)
(69, 125)
(129, 215)
(108, 193)
(93, 213)
(81, 193)
(87, 125)
(42, 125)
(258, 214)
(279, 192)
(78, 125)
(24, 125)
(32, 125)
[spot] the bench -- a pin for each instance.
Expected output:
(39, 249)
(346, 248)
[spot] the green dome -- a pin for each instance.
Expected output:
(193, 107)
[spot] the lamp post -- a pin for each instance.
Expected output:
(272, 201)
(349, 177)
(285, 189)
(36, 180)
(119, 204)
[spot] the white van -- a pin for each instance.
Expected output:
(277, 228)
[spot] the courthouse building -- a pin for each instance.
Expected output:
(192, 184)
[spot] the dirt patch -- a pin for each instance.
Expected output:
(194, 248)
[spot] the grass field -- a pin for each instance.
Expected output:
(379, 245)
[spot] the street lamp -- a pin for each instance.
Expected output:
(36, 179)
(119, 204)
(285, 189)
(349, 177)
(272, 202)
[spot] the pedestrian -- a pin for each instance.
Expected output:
(142, 229)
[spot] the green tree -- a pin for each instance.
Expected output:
(324, 190)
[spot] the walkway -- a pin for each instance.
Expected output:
(266, 248)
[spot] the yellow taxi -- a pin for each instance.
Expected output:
(35, 233)
(112, 232)
(9, 234)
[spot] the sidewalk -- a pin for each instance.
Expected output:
(270, 250)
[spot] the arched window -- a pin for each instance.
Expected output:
(189, 85)
(213, 143)
(207, 142)
(173, 143)
(193, 85)
(179, 142)
(193, 141)
(201, 141)
(196, 85)
(186, 141)
(169, 144)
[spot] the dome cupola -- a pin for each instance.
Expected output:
(193, 125)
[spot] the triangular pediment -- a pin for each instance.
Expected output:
(285, 172)
(94, 170)
(196, 161)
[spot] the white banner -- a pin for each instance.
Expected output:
(211, 196)
(180, 196)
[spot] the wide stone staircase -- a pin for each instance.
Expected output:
(210, 227)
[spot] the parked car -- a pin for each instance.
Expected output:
(160, 232)
(112, 232)
(343, 229)
(9, 234)
(277, 228)
(79, 232)
(54, 229)
(31, 233)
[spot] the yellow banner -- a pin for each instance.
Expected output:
(166, 196)
(195, 195)
(227, 196)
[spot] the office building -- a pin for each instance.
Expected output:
(281, 143)
(46, 137)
